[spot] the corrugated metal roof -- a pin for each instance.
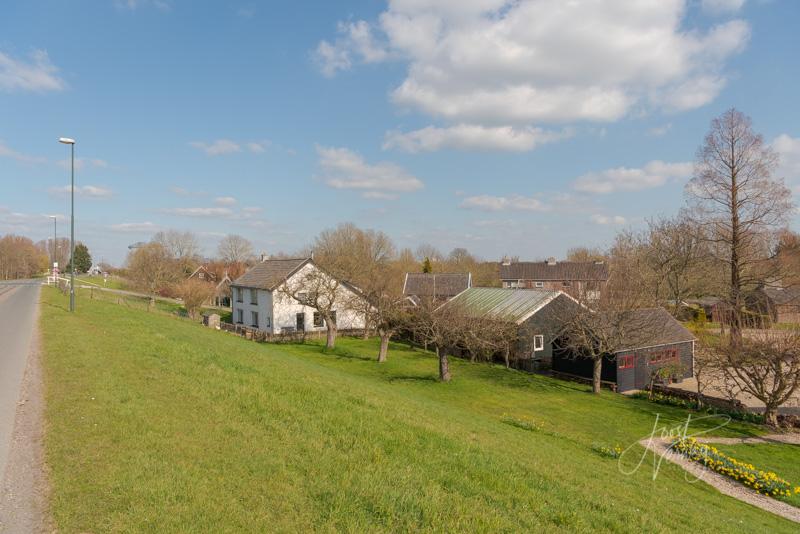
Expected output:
(508, 304)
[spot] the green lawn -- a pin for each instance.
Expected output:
(156, 424)
(782, 459)
(112, 282)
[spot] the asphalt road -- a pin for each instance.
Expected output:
(18, 303)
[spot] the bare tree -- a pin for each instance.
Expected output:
(194, 294)
(766, 367)
(317, 289)
(735, 197)
(586, 254)
(235, 249)
(179, 244)
(152, 268)
(20, 258)
(443, 327)
(675, 254)
(613, 325)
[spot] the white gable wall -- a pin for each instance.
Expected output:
(277, 310)
(286, 308)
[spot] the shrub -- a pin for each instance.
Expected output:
(524, 424)
(607, 450)
(764, 482)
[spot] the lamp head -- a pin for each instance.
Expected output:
(66, 141)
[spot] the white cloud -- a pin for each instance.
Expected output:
(227, 146)
(717, 7)
(355, 39)
(654, 174)
(136, 227)
(132, 5)
(788, 148)
(183, 192)
(224, 201)
(8, 152)
(501, 62)
(512, 203)
(608, 219)
(472, 137)
(378, 195)
(252, 209)
(257, 147)
(659, 131)
(218, 147)
(92, 191)
(38, 74)
(198, 212)
(345, 169)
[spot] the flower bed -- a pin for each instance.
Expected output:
(764, 482)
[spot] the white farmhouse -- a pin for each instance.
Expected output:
(260, 300)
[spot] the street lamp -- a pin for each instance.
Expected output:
(55, 241)
(71, 143)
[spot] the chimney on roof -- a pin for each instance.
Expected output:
(264, 256)
(551, 261)
(505, 261)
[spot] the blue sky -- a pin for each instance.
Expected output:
(521, 128)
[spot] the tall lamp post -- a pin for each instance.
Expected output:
(55, 242)
(71, 143)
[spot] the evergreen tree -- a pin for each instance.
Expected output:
(83, 260)
(426, 266)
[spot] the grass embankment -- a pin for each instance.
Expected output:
(157, 424)
(782, 459)
(112, 282)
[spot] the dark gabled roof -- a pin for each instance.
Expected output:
(781, 296)
(514, 305)
(443, 285)
(562, 270)
(269, 274)
(650, 327)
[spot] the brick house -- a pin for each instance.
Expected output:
(582, 280)
(782, 305)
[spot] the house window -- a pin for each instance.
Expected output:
(239, 294)
(240, 316)
(318, 320)
(254, 297)
(300, 322)
(664, 356)
(627, 362)
(254, 318)
(566, 283)
(201, 276)
(267, 321)
(538, 343)
(302, 297)
(539, 284)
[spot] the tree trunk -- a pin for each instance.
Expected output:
(507, 357)
(384, 346)
(771, 415)
(596, 374)
(444, 365)
(331, 339)
(736, 282)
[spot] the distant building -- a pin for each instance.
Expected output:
(439, 287)
(260, 302)
(781, 305)
(582, 280)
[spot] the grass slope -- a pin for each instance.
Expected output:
(156, 424)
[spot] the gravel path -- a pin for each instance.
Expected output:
(789, 439)
(724, 484)
(23, 486)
